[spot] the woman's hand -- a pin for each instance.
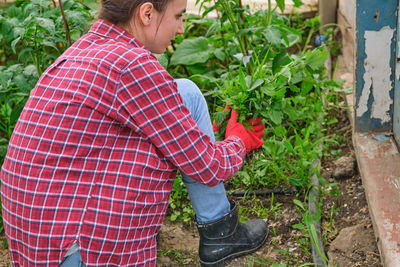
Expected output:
(252, 138)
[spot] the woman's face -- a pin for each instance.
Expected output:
(165, 26)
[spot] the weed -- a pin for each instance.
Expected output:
(256, 208)
(179, 205)
(175, 253)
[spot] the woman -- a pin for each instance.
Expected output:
(92, 159)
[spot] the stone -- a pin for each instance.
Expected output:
(344, 168)
(345, 240)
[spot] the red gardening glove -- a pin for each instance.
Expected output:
(217, 127)
(252, 138)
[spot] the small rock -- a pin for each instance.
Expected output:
(350, 243)
(163, 260)
(344, 168)
(346, 239)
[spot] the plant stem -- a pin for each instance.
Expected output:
(269, 14)
(244, 37)
(35, 56)
(65, 23)
(310, 33)
(228, 10)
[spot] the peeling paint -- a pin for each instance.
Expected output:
(393, 180)
(377, 74)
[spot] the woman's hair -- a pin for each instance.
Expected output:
(119, 12)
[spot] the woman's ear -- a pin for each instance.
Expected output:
(146, 13)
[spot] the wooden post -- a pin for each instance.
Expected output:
(376, 31)
(327, 10)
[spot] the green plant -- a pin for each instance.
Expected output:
(35, 30)
(16, 82)
(179, 205)
(308, 227)
(32, 36)
(175, 253)
(255, 207)
(252, 261)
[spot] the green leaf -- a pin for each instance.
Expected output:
(268, 89)
(22, 83)
(280, 60)
(299, 226)
(192, 51)
(219, 118)
(276, 116)
(298, 203)
(76, 18)
(14, 43)
(280, 131)
(316, 58)
(50, 44)
(257, 83)
(219, 53)
(213, 28)
(3, 147)
(273, 35)
(162, 59)
(46, 24)
(242, 81)
(281, 5)
(30, 70)
(297, 3)
(306, 86)
(290, 147)
(16, 111)
(297, 76)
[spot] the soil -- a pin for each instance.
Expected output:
(349, 236)
(348, 233)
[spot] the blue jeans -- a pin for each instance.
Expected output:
(209, 203)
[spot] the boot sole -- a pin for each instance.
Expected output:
(227, 259)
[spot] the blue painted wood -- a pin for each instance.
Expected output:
(396, 115)
(396, 100)
(372, 15)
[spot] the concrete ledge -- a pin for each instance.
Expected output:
(378, 161)
(379, 165)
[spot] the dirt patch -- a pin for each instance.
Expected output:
(348, 234)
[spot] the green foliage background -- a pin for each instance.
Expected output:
(261, 64)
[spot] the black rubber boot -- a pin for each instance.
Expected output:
(227, 238)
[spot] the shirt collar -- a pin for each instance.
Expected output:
(110, 30)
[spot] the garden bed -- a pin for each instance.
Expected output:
(178, 243)
(346, 225)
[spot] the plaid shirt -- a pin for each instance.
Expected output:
(94, 154)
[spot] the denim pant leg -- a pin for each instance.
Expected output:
(72, 260)
(209, 203)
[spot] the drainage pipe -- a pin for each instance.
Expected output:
(313, 206)
(319, 256)
(265, 192)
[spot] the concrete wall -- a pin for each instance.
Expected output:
(309, 6)
(346, 19)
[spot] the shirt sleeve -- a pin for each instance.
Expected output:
(149, 99)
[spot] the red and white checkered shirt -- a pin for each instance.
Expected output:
(93, 156)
